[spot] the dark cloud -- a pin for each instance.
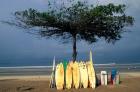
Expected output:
(16, 46)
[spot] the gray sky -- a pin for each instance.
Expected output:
(17, 46)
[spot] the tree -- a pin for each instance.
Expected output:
(79, 21)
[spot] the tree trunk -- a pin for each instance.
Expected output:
(74, 48)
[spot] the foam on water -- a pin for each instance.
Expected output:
(46, 70)
(28, 67)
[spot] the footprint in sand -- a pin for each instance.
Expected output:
(24, 89)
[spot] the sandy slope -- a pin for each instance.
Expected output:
(129, 83)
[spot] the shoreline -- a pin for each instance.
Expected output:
(47, 77)
(47, 70)
(26, 77)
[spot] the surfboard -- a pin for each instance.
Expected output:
(117, 79)
(104, 78)
(76, 74)
(71, 63)
(91, 72)
(83, 75)
(69, 76)
(52, 80)
(59, 76)
(65, 67)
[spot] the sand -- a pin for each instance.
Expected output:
(129, 83)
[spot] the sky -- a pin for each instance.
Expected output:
(18, 47)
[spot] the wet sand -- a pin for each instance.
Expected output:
(129, 83)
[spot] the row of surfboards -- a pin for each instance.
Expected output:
(74, 74)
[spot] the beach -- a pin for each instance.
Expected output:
(40, 83)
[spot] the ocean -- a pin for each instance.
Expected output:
(46, 70)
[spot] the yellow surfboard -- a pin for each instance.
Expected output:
(71, 63)
(83, 74)
(91, 72)
(59, 76)
(76, 75)
(69, 76)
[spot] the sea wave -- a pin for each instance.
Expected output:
(96, 65)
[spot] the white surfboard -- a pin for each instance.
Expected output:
(117, 79)
(91, 73)
(83, 74)
(76, 74)
(104, 78)
(59, 76)
(69, 76)
(52, 80)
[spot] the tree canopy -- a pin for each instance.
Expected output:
(79, 21)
